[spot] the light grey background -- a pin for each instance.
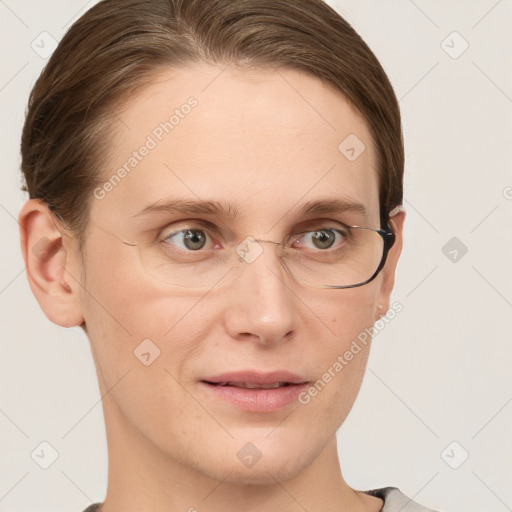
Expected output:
(440, 372)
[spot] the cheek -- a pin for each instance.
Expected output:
(142, 338)
(343, 314)
(121, 294)
(341, 354)
(130, 321)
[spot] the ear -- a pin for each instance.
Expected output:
(52, 262)
(388, 272)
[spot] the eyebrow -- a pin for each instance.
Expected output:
(229, 210)
(332, 206)
(218, 208)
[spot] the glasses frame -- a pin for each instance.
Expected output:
(386, 233)
(388, 237)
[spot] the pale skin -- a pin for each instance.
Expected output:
(254, 142)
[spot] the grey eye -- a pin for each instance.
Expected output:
(194, 239)
(191, 239)
(323, 239)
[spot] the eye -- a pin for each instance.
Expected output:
(322, 239)
(188, 239)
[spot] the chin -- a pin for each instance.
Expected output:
(260, 461)
(262, 473)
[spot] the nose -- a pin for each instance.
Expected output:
(262, 306)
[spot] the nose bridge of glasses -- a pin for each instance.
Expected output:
(250, 257)
(260, 240)
(250, 249)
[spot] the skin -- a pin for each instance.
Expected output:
(266, 147)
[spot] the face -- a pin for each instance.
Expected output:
(263, 144)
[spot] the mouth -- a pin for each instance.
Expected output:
(255, 392)
(251, 385)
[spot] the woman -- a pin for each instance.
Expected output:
(215, 191)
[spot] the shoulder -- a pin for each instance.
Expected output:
(93, 508)
(395, 501)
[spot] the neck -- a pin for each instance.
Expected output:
(142, 477)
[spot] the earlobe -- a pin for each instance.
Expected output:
(51, 264)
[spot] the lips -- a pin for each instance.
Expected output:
(256, 391)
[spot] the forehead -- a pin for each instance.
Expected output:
(262, 139)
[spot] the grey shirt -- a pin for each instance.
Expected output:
(394, 501)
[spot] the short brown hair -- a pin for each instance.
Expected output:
(117, 46)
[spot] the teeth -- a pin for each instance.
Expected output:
(251, 385)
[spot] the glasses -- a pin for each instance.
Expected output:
(331, 256)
